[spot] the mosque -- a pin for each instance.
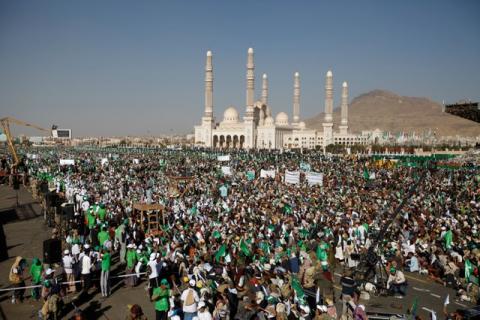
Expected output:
(260, 130)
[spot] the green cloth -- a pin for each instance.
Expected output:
(106, 261)
(36, 271)
(161, 298)
(102, 237)
(131, 258)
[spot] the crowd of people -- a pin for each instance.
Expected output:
(238, 245)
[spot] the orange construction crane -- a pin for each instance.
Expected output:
(6, 129)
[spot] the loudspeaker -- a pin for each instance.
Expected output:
(3, 244)
(67, 211)
(44, 187)
(16, 182)
(52, 251)
(52, 199)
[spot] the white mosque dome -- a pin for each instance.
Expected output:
(281, 119)
(230, 115)
(269, 121)
(302, 125)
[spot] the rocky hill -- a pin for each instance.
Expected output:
(388, 111)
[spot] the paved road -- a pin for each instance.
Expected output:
(430, 295)
(25, 237)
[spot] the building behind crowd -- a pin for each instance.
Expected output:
(261, 129)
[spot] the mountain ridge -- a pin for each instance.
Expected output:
(388, 111)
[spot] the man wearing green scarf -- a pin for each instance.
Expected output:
(36, 273)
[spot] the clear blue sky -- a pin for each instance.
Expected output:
(136, 67)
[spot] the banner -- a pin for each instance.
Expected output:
(136, 161)
(250, 175)
(267, 173)
(314, 178)
(226, 171)
(224, 158)
(67, 162)
(292, 177)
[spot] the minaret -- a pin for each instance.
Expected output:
(296, 99)
(208, 121)
(249, 123)
(329, 97)
(344, 110)
(250, 83)
(209, 86)
(264, 89)
(328, 120)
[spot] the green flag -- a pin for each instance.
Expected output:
(265, 247)
(322, 252)
(287, 209)
(413, 309)
(221, 252)
(216, 234)
(448, 239)
(366, 175)
(244, 248)
(297, 287)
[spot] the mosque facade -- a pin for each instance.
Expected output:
(260, 129)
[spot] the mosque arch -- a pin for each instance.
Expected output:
(236, 144)
(222, 141)
(228, 142)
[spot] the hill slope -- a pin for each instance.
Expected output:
(388, 111)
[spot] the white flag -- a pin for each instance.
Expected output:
(433, 315)
(447, 300)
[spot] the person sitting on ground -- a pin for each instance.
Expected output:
(411, 264)
(396, 283)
